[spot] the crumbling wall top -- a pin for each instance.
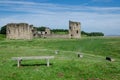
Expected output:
(74, 22)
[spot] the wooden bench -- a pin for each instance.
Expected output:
(19, 59)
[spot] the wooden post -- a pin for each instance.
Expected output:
(19, 62)
(48, 63)
(80, 55)
(56, 52)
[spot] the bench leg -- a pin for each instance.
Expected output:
(48, 63)
(19, 63)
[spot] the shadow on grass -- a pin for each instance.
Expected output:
(33, 64)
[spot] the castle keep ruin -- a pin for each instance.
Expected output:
(26, 31)
(74, 29)
(19, 31)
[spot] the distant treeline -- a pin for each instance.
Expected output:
(42, 28)
(92, 33)
(59, 30)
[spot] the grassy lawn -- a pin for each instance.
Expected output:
(66, 65)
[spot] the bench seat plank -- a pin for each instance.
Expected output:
(33, 57)
(19, 59)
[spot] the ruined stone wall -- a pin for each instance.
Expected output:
(74, 29)
(74, 32)
(47, 31)
(19, 31)
(26, 31)
(57, 36)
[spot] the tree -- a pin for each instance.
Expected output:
(92, 33)
(84, 33)
(42, 28)
(96, 34)
(60, 31)
(3, 30)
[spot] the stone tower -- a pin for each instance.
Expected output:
(47, 31)
(19, 31)
(74, 29)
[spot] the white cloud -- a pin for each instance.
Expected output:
(16, 2)
(37, 7)
(105, 19)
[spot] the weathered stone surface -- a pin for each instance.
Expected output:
(44, 34)
(47, 31)
(74, 29)
(26, 31)
(19, 31)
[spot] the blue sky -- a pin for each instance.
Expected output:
(94, 15)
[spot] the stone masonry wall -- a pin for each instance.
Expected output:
(19, 31)
(57, 36)
(74, 29)
(26, 31)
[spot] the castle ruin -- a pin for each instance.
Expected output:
(19, 31)
(26, 31)
(74, 29)
(47, 31)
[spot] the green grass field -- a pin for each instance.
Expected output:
(66, 65)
